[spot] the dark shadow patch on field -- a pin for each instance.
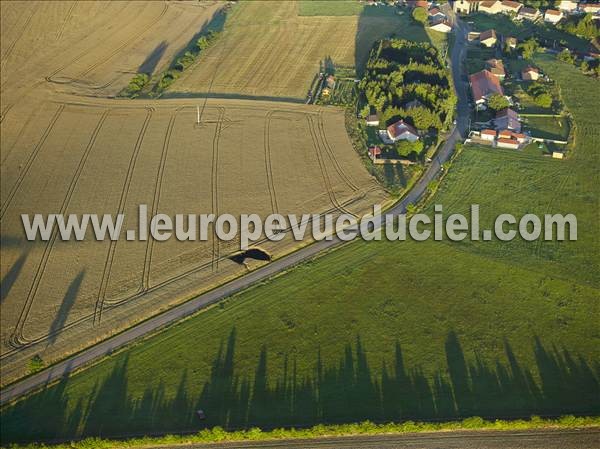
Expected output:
(252, 253)
(227, 96)
(11, 277)
(65, 307)
(337, 391)
(153, 58)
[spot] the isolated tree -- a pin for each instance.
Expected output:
(420, 15)
(529, 48)
(566, 56)
(497, 102)
(544, 100)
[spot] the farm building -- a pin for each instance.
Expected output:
(374, 152)
(496, 66)
(507, 134)
(507, 143)
(443, 26)
(435, 14)
(530, 73)
(568, 6)
(473, 36)
(402, 131)
(488, 38)
(488, 134)
(491, 7)
(553, 16)
(507, 119)
(590, 8)
(465, 6)
(484, 84)
(372, 120)
(509, 7)
(528, 13)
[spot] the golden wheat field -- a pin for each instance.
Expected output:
(270, 50)
(69, 147)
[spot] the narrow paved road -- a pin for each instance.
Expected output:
(532, 439)
(106, 347)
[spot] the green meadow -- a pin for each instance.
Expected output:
(386, 331)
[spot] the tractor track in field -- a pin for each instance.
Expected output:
(214, 184)
(17, 338)
(19, 36)
(64, 23)
(24, 125)
(30, 160)
(156, 198)
(323, 168)
(102, 61)
(122, 203)
(108, 305)
(336, 165)
(268, 163)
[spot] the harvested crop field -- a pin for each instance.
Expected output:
(69, 147)
(267, 49)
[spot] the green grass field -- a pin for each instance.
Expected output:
(329, 8)
(556, 128)
(380, 330)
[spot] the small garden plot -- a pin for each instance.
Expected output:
(548, 127)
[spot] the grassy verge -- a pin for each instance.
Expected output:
(218, 435)
(329, 8)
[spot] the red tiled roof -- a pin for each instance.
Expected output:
(487, 4)
(489, 34)
(399, 128)
(553, 12)
(508, 141)
(511, 4)
(484, 83)
(489, 132)
(531, 69)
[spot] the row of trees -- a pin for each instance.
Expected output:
(584, 26)
(587, 67)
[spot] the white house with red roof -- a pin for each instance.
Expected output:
(553, 16)
(483, 85)
(402, 131)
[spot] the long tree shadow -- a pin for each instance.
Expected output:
(334, 392)
(11, 276)
(65, 307)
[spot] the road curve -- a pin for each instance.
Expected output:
(525, 439)
(106, 347)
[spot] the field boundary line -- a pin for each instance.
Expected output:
(17, 338)
(30, 160)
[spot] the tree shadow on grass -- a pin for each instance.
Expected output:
(341, 391)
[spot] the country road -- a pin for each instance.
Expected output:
(57, 371)
(526, 439)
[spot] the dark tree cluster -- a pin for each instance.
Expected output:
(408, 80)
